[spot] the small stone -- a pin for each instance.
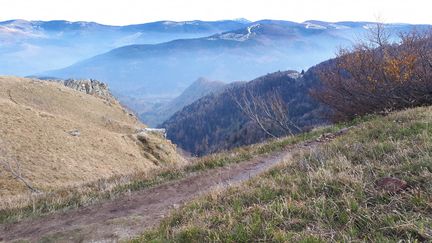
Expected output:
(391, 184)
(160, 146)
(343, 131)
(143, 137)
(176, 206)
(75, 133)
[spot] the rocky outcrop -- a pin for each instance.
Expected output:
(95, 88)
(90, 86)
(158, 131)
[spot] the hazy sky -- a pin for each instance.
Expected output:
(121, 12)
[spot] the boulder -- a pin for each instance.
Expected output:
(90, 86)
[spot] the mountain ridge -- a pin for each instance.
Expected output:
(215, 122)
(198, 89)
(25, 40)
(277, 44)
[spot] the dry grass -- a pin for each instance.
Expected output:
(35, 120)
(14, 208)
(327, 193)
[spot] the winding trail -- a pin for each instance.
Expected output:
(131, 214)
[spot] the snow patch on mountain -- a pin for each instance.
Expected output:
(173, 23)
(242, 20)
(128, 40)
(324, 25)
(20, 31)
(374, 26)
(314, 26)
(233, 36)
(339, 27)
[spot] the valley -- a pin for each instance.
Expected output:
(147, 77)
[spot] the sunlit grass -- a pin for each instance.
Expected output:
(326, 193)
(111, 188)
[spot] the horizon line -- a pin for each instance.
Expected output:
(219, 20)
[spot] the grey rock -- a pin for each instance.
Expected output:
(91, 87)
(157, 131)
(143, 137)
(75, 133)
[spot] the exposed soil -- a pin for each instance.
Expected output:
(129, 216)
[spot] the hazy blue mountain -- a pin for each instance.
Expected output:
(261, 47)
(160, 112)
(29, 47)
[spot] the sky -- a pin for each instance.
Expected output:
(124, 12)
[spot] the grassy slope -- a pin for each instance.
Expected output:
(35, 120)
(116, 186)
(325, 193)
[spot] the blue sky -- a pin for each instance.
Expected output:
(122, 12)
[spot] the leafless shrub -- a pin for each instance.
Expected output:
(13, 167)
(267, 110)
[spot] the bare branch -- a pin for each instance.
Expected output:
(13, 167)
(266, 110)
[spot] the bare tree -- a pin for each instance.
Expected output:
(378, 35)
(377, 76)
(13, 167)
(266, 111)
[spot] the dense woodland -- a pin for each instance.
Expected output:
(216, 122)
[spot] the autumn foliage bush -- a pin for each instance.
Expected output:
(376, 76)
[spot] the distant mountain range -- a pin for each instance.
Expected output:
(29, 47)
(260, 47)
(153, 63)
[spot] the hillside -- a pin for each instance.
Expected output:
(57, 44)
(371, 184)
(216, 122)
(56, 137)
(198, 89)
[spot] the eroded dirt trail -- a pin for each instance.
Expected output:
(130, 215)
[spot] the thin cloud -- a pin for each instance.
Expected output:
(124, 12)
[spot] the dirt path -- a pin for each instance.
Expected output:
(128, 216)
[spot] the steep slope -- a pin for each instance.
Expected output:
(216, 122)
(265, 46)
(56, 44)
(195, 91)
(56, 137)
